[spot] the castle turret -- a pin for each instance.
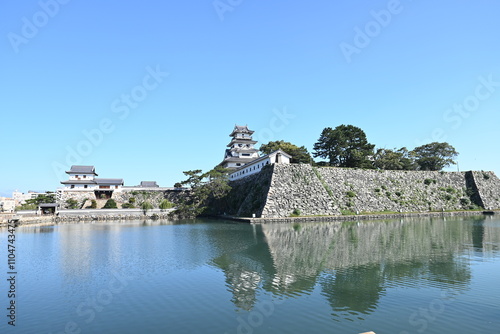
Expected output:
(241, 148)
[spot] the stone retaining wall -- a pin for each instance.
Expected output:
(307, 191)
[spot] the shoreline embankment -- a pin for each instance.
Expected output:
(380, 216)
(54, 220)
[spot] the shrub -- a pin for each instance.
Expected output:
(72, 203)
(377, 190)
(128, 206)
(145, 206)
(296, 212)
(131, 200)
(166, 204)
(384, 187)
(429, 181)
(398, 193)
(93, 204)
(486, 176)
(110, 204)
(388, 194)
(464, 201)
(351, 194)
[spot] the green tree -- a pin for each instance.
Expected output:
(72, 203)
(146, 206)
(166, 204)
(299, 154)
(202, 188)
(93, 204)
(344, 146)
(435, 156)
(45, 198)
(395, 159)
(110, 204)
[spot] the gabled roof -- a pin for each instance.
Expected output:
(109, 181)
(241, 129)
(148, 184)
(77, 169)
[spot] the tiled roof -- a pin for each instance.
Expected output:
(241, 129)
(109, 181)
(148, 184)
(76, 169)
(78, 182)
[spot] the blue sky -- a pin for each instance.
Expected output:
(145, 90)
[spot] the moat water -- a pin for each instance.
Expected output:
(204, 276)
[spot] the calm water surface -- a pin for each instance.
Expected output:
(202, 276)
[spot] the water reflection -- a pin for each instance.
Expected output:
(352, 263)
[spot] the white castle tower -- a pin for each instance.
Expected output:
(241, 148)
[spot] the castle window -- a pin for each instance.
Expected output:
(72, 186)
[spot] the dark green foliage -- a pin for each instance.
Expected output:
(72, 203)
(344, 146)
(203, 188)
(377, 190)
(110, 204)
(400, 159)
(486, 176)
(435, 156)
(398, 193)
(299, 154)
(295, 213)
(48, 198)
(93, 204)
(464, 201)
(351, 194)
(127, 206)
(429, 181)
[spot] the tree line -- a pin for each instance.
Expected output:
(347, 146)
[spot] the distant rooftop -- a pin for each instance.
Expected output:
(76, 169)
(148, 184)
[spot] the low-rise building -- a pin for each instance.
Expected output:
(84, 178)
(7, 204)
(21, 198)
(255, 166)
